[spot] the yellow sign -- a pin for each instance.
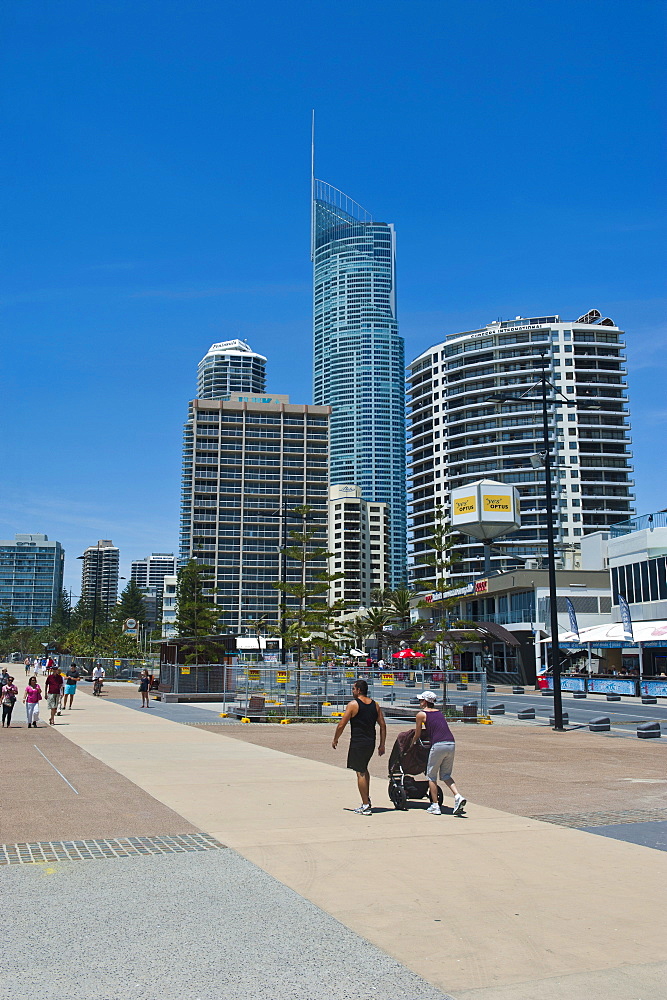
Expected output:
(282, 677)
(117, 663)
(465, 505)
(464, 678)
(253, 675)
(185, 670)
(501, 505)
(387, 680)
(349, 674)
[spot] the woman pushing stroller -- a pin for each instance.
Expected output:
(441, 755)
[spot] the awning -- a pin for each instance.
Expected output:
(647, 633)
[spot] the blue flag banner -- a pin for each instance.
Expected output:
(574, 628)
(626, 619)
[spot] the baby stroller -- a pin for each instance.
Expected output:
(403, 764)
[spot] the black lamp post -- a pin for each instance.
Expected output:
(543, 382)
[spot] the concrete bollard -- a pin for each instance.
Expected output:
(526, 713)
(613, 697)
(566, 719)
(648, 731)
(470, 711)
(648, 699)
(578, 694)
(490, 687)
(517, 690)
(497, 710)
(461, 687)
(600, 724)
(546, 693)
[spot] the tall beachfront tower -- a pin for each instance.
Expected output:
(358, 356)
(458, 434)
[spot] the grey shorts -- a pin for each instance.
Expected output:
(440, 761)
(52, 700)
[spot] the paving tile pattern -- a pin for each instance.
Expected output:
(587, 819)
(97, 850)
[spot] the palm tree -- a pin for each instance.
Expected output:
(376, 621)
(259, 626)
(399, 603)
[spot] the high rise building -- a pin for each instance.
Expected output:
(151, 571)
(359, 543)
(230, 366)
(99, 574)
(247, 463)
(456, 435)
(169, 606)
(31, 578)
(358, 355)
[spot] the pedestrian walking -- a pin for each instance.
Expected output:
(27, 663)
(53, 687)
(71, 679)
(4, 677)
(31, 700)
(144, 687)
(364, 715)
(441, 755)
(9, 695)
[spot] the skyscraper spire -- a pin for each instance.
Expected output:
(312, 186)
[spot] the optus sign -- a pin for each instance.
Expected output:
(465, 505)
(492, 502)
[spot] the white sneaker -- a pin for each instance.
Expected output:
(459, 803)
(434, 809)
(364, 810)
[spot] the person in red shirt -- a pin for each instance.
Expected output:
(53, 687)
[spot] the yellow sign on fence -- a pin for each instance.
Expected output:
(387, 680)
(117, 663)
(253, 675)
(185, 670)
(349, 674)
(464, 678)
(282, 677)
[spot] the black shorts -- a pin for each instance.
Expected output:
(359, 755)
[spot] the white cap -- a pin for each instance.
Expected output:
(428, 696)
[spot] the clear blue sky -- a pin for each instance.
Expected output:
(155, 188)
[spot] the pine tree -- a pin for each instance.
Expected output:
(196, 614)
(299, 631)
(130, 604)
(62, 613)
(8, 623)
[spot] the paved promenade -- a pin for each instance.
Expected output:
(495, 905)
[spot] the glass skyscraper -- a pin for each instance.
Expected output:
(358, 356)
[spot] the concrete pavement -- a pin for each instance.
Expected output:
(181, 927)
(491, 906)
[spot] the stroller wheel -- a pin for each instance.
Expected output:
(398, 796)
(440, 796)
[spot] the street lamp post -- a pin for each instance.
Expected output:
(543, 382)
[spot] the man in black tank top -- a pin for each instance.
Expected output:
(364, 715)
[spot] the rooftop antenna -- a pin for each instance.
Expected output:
(312, 185)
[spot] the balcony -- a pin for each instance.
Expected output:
(640, 523)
